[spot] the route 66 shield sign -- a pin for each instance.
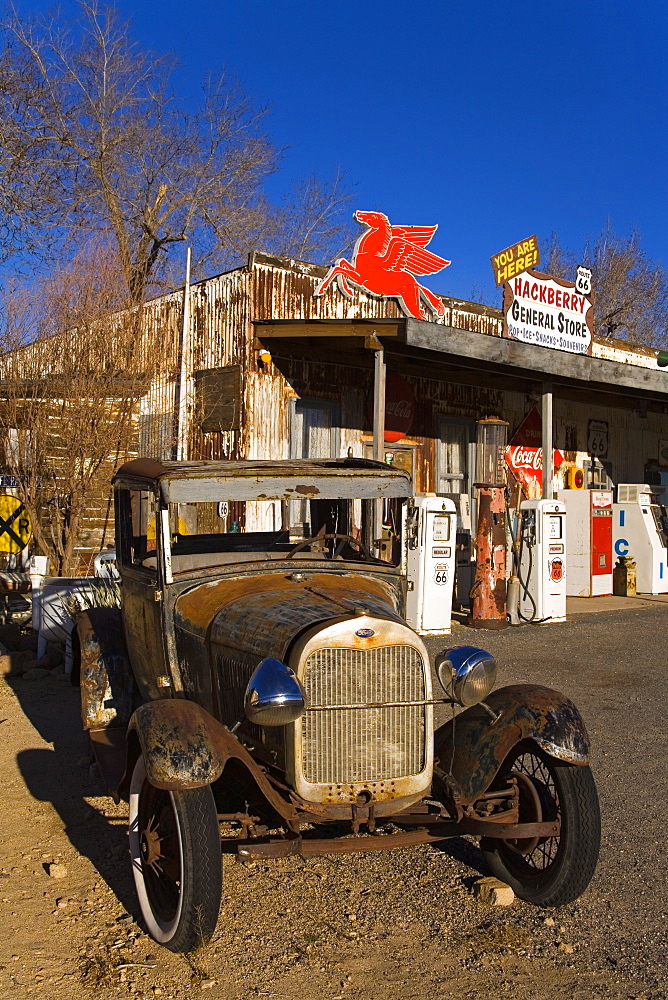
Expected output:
(557, 570)
(583, 281)
(597, 438)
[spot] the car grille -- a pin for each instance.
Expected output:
(363, 744)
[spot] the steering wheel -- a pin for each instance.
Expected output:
(342, 538)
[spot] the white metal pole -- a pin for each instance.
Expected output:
(547, 441)
(181, 388)
(378, 431)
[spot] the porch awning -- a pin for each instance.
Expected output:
(540, 363)
(474, 358)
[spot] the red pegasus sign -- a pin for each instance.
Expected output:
(385, 263)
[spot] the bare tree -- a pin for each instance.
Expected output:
(92, 139)
(630, 289)
(76, 360)
(557, 261)
(309, 225)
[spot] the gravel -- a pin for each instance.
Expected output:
(393, 924)
(613, 665)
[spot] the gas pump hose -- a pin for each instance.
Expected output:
(517, 557)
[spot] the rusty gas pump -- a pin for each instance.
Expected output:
(488, 593)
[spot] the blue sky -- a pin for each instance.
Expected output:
(494, 121)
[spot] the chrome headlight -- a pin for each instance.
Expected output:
(467, 674)
(274, 696)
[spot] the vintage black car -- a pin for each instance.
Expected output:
(259, 682)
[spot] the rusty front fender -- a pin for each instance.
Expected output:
(183, 746)
(523, 711)
(109, 693)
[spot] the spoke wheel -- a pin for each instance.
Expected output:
(176, 861)
(548, 871)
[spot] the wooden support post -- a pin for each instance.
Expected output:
(379, 405)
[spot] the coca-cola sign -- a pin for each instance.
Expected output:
(525, 458)
(399, 407)
(399, 410)
(524, 454)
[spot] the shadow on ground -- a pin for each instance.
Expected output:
(62, 778)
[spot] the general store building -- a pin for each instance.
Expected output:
(256, 365)
(268, 369)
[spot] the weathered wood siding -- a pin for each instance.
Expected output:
(223, 310)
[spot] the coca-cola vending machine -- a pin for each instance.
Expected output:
(589, 526)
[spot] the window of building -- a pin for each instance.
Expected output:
(598, 474)
(315, 429)
(18, 448)
(455, 455)
(315, 434)
(218, 393)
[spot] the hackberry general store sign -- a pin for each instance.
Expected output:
(550, 312)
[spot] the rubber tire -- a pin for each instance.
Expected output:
(569, 873)
(199, 888)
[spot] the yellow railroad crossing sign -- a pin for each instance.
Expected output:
(15, 525)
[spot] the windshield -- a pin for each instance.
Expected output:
(283, 529)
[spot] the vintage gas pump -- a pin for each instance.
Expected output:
(639, 532)
(489, 589)
(430, 528)
(542, 561)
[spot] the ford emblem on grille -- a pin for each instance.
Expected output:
(365, 633)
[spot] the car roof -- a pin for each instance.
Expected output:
(327, 479)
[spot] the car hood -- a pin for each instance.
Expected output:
(262, 615)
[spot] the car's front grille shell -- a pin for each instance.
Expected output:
(351, 745)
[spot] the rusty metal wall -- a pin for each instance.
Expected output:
(351, 387)
(223, 310)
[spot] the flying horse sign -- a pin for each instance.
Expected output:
(385, 262)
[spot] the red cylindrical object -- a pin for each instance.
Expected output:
(489, 590)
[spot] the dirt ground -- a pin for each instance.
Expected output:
(398, 924)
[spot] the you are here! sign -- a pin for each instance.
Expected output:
(515, 259)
